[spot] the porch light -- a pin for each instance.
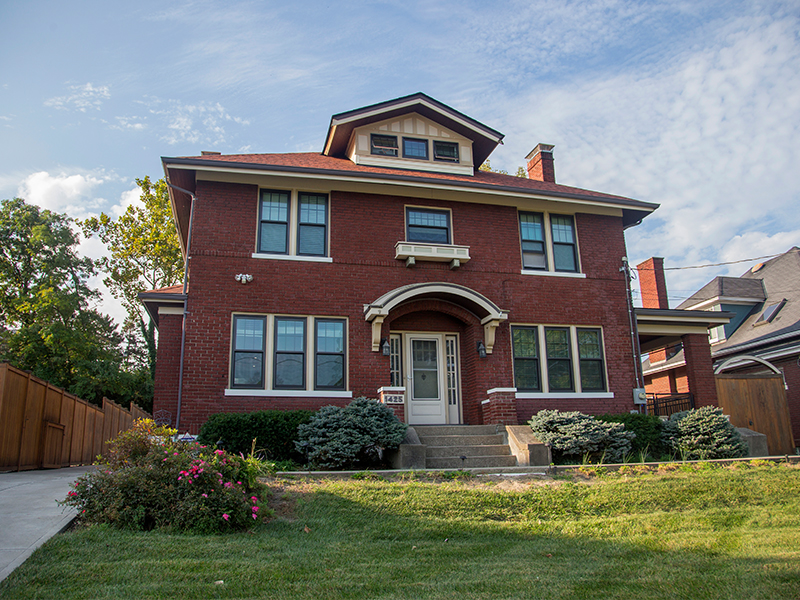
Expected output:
(481, 349)
(385, 349)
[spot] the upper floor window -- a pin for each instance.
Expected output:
(415, 148)
(383, 145)
(445, 151)
(293, 224)
(548, 242)
(428, 225)
(565, 257)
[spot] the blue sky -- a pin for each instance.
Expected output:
(693, 105)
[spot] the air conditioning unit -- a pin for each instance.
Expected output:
(639, 396)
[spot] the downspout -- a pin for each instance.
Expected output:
(185, 298)
(634, 326)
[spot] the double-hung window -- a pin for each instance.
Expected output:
(273, 234)
(559, 359)
(293, 224)
(555, 369)
(290, 353)
(312, 224)
(249, 336)
(329, 349)
(526, 358)
(565, 256)
(534, 255)
(447, 151)
(428, 225)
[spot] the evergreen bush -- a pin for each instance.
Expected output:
(702, 434)
(353, 437)
(150, 481)
(275, 432)
(648, 430)
(574, 435)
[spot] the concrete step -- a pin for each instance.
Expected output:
(456, 451)
(461, 440)
(471, 462)
(436, 430)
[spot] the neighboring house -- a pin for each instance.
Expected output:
(764, 304)
(389, 266)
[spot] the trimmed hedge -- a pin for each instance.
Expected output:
(275, 432)
(648, 430)
(702, 434)
(577, 436)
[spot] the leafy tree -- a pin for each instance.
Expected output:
(144, 255)
(48, 325)
(487, 166)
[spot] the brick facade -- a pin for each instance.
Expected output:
(363, 231)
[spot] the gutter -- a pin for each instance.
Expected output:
(185, 297)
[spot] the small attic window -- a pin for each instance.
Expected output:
(769, 313)
(384, 145)
(445, 151)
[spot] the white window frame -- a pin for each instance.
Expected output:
(549, 250)
(293, 226)
(577, 391)
(310, 353)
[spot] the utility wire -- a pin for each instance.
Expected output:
(732, 262)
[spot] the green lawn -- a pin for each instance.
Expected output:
(707, 533)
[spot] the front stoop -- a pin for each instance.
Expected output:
(465, 446)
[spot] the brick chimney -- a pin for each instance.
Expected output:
(653, 286)
(540, 163)
(652, 283)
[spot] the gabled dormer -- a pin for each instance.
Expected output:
(414, 132)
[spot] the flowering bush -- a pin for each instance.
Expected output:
(148, 481)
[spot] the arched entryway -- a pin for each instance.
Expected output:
(433, 333)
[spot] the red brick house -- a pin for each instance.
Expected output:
(389, 266)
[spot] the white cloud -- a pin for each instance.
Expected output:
(129, 123)
(81, 98)
(64, 193)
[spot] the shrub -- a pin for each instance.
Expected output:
(703, 433)
(648, 430)
(275, 432)
(350, 437)
(150, 481)
(575, 435)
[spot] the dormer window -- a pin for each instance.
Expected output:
(415, 148)
(384, 145)
(447, 151)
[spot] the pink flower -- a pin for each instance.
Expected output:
(254, 516)
(238, 483)
(253, 498)
(226, 516)
(255, 509)
(204, 495)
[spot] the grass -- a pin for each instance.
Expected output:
(691, 533)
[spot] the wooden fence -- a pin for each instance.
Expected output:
(758, 402)
(44, 427)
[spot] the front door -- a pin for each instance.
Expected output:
(432, 378)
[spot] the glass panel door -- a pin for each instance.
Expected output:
(425, 370)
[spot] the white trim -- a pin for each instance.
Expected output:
(288, 393)
(663, 366)
(320, 259)
(717, 300)
(501, 390)
(554, 274)
(391, 389)
(485, 401)
(566, 395)
(426, 185)
(170, 310)
(413, 164)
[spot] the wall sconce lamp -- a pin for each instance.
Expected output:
(243, 278)
(385, 348)
(481, 349)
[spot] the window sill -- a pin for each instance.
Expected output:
(288, 393)
(431, 252)
(554, 274)
(565, 395)
(320, 259)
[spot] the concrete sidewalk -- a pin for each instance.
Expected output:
(29, 515)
